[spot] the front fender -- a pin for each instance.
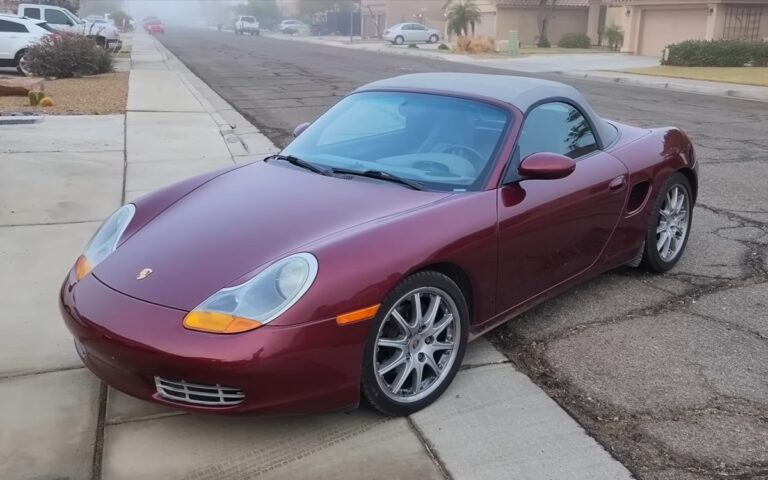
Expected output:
(359, 266)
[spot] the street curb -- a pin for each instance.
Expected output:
(759, 94)
(241, 137)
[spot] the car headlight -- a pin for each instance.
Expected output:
(104, 241)
(259, 300)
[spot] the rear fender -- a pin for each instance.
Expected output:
(651, 160)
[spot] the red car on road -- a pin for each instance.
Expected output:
(412, 217)
(155, 26)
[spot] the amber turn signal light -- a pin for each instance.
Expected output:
(215, 322)
(82, 267)
(358, 315)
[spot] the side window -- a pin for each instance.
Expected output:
(6, 26)
(56, 17)
(419, 27)
(557, 128)
(32, 13)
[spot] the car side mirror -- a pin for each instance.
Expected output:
(546, 165)
(297, 131)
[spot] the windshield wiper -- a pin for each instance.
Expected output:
(381, 175)
(302, 163)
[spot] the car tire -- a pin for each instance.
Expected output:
(428, 352)
(433, 39)
(673, 209)
(399, 40)
(20, 64)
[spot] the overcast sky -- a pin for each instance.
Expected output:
(186, 12)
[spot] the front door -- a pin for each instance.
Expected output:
(552, 230)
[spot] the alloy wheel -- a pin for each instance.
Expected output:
(23, 66)
(672, 228)
(416, 345)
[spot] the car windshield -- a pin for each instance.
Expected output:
(444, 143)
(248, 19)
(73, 17)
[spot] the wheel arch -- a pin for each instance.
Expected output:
(693, 179)
(458, 275)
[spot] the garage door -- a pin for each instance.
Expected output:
(661, 27)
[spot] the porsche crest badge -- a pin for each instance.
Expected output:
(144, 274)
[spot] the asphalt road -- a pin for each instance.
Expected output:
(669, 372)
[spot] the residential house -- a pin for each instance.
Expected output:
(498, 17)
(650, 25)
(287, 8)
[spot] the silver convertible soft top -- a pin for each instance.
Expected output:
(521, 92)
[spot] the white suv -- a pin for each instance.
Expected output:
(246, 24)
(16, 34)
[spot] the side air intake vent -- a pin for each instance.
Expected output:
(638, 196)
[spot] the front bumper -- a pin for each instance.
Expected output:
(128, 343)
(114, 46)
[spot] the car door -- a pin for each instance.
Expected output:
(420, 33)
(552, 230)
(13, 37)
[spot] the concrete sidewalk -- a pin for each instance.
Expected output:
(58, 421)
(604, 67)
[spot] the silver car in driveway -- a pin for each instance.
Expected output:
(411, 33)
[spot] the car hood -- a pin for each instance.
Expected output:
(238, 222)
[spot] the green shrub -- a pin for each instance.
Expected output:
(716, 53)
(543, 42)
(68, 55)
(574, 40)
(412, 45)
(443, 47)
(615, 37)
(760, 54)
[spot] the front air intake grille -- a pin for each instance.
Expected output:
(197, 394)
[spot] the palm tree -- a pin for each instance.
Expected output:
(463, 15)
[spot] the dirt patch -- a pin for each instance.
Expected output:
(96, 95)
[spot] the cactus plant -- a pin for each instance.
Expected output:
(35, 97)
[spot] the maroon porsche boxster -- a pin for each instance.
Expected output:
(416, 214)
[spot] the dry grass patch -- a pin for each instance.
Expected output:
(741, 75)
(95, 95)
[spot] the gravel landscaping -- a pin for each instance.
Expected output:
(99, 94)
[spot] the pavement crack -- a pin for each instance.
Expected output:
(430, 450)
(39, 372)
(98, 445)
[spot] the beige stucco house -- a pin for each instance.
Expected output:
(650, 25)
(498, 17)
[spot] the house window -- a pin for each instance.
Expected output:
(742, 22)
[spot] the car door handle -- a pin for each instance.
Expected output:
(617, 183)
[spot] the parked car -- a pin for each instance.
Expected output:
(246, 24)
(411, 33)
(16, 35)
(61, 19)
(292, 26)
(155, 26)
(105, 18)
(417, 213)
